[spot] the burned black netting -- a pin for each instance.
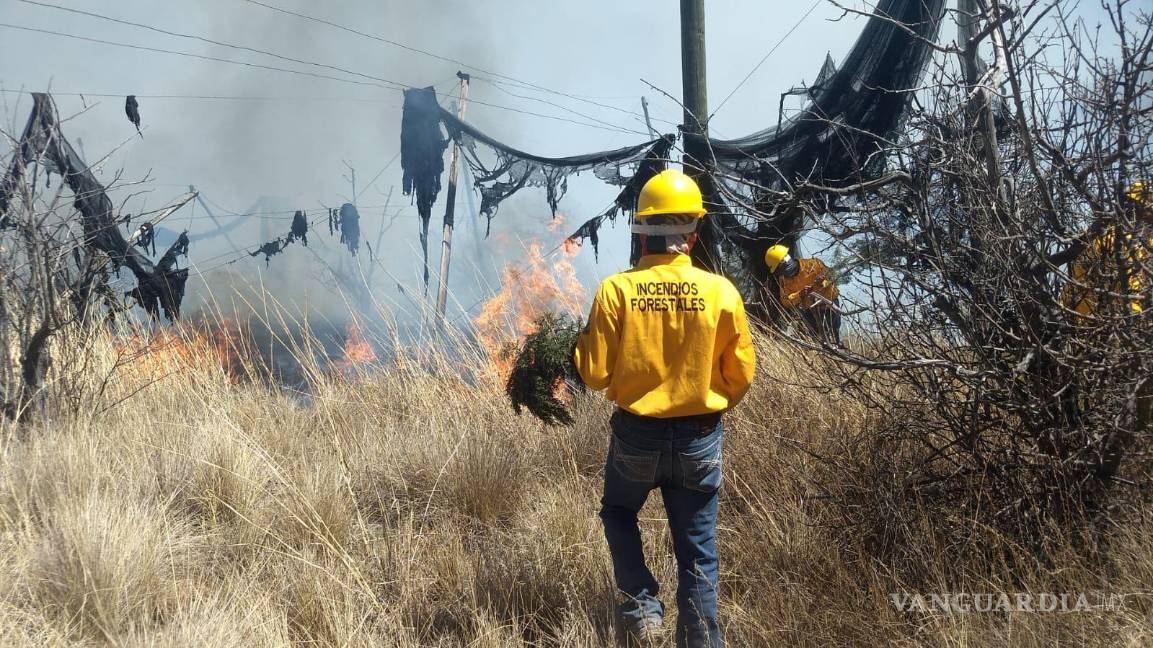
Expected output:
(422, 145)
(853, 109)
(852, 112)
(838, 138)
(500, 170)
(654, 161)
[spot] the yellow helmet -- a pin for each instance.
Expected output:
(670, 192)
(1139, 193)
(774, 256)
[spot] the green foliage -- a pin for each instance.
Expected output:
(544, 360)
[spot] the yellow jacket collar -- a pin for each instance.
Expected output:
(650, 260)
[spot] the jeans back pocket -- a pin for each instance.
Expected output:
(635, 464)
(701, 467)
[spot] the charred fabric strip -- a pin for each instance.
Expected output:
(300, 227)
(349, 225)
(498, 170)
(298, 231)
(422, 145)
(166, 285)
(132, 109)
(513, 169)
(271, 249)
(655, 161)
(590, 231)
(543, 365)
(43, 141)
(147, 237)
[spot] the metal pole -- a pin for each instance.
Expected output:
(450, 208)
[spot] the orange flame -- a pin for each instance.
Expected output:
(189, 349)
(357, 349)
(528, 290)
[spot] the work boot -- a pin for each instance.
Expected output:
(647, 633)
(640, 620)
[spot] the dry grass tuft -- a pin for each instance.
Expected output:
(317, 509)
(246, 619)
(223, 479)
(107, 565)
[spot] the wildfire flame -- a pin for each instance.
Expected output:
(191, 349)
(528, 290)
(357, 350)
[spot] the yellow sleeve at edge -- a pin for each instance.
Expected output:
(738, 359)
(596, 350)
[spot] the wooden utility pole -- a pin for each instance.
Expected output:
(648, 120)
(450, 208)
(698, 159)
(693, 81)
(351, 178)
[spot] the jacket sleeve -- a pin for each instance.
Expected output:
(790, 298)
(596, 350)
(790, 290)
(825, 286)
(738, 358)
(812, 278)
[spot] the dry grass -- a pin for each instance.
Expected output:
(404, 507)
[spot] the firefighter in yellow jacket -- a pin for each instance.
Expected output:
(805, 286)
(1115, 272)
(671, 344)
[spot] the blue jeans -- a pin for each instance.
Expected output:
(683, 458)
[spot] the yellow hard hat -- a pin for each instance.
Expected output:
(670, 192)
(1139, 193)
(774, 256)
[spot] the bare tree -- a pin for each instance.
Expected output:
(58, 249)
(1002, 270)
